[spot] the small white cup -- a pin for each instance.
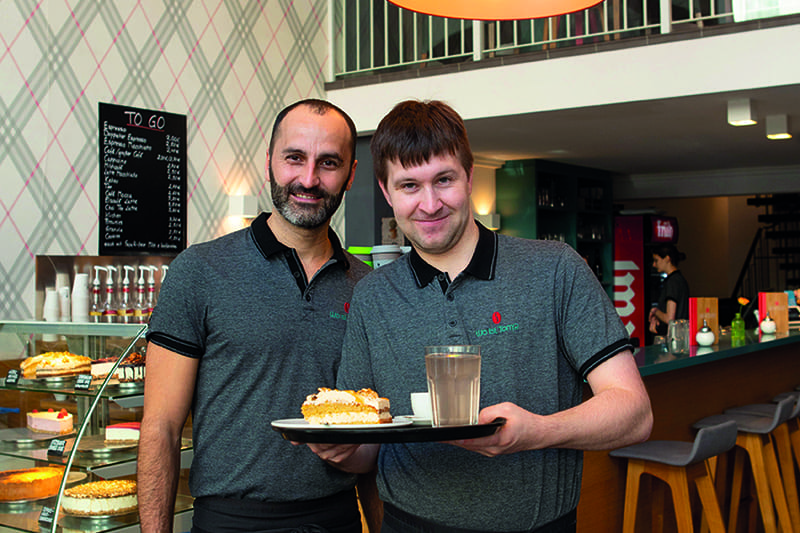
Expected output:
(421, 405)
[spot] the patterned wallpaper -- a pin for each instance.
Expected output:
(228, 65)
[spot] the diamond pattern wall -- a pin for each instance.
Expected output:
(228, 65)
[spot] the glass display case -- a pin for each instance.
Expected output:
(78, 449)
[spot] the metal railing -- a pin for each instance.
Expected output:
(773, 260)
(375, 35)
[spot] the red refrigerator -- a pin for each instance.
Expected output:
(636, 283)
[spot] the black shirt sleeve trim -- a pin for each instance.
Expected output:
(175, 345)
(603, 355)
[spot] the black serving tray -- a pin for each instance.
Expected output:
(377, 435)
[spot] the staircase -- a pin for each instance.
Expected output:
(773, 262)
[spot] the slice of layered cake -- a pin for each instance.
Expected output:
(330, 406)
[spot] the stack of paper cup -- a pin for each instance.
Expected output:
(80, 298)
(50, 311)
(62, 288)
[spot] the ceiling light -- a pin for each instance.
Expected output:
(778, 127)
(739, 112)
(495, 9)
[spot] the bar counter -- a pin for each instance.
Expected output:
(684, 389)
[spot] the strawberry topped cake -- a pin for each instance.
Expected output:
(50, 421)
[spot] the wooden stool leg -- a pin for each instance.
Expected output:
(635, 471)
(754, 445)
(786, 462)
(776, 485)
(678, 482)
(756, 449)
(708, 497)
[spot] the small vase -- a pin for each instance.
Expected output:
(737, 329)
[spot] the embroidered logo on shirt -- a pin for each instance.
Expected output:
(498, 327)
(341, 316)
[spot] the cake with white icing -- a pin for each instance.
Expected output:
(330, 406)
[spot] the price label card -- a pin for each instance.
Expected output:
(57, 447)
(12, 378)
(84, 382)
(47, 515)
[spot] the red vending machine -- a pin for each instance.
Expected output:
(636, 282)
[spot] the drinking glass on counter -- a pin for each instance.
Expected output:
(678, 336)
(454, 383)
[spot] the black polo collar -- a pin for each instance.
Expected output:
(482, 265)
(269, 245)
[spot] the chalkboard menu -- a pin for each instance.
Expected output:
(142, 181)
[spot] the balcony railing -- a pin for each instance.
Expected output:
(374, 35)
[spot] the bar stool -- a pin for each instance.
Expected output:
(678, 463)
(754, 439)
(783, 436)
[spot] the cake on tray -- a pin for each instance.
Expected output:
(30, 483)
(99, 498)
(330, 406)
(50, 421)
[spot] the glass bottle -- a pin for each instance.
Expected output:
(737, 330)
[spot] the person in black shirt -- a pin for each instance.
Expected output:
(673, 302)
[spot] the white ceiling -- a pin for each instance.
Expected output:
(682, 134)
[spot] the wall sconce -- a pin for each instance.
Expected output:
(245, 206)
(740, 113)
(778, 127)
(490, 220)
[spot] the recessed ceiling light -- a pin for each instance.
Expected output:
(778, 127)
(740, 112)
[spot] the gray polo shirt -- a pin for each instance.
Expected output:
(543, 323)
(266, 337)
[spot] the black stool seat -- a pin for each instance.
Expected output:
(711, 440)
(768, 409)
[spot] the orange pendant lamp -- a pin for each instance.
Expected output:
(495, 9)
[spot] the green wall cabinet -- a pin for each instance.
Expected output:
(539, 199)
